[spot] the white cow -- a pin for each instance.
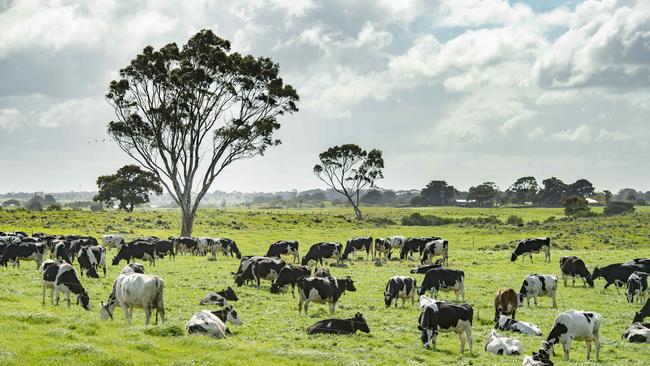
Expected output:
(396, 241)
(206, 322)
(500, 345)
(135, 290)
(202, 245)
(113, 241)
(538, 285)
(505, 323)
(572, 326)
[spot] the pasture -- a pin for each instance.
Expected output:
(273, 333)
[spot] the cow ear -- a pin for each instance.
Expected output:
(420, 327)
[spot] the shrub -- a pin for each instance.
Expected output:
(549, 219)
(54, 207)
(576, 206)
(97, 207)
(618, 208)
(515, 220)
(34, 205)
(417, 219)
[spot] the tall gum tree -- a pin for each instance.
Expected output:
(185, 114)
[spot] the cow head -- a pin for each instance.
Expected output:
(92, 272)
(428, 337)
(239, 279)
(229, 315)
(359, 323)
(304, 261)
(84, 299)
(105, 311)
(213, 299)
(388, 299)
(275, 289)
(513, 257)
(349, 286)
(589, 281)
(638, 317)
(229, 294)
(596, 273)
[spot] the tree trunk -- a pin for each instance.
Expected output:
(187, 221)
(357, 212)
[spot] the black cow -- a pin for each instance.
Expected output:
(443, 279)
(400, 287)
(138, 250)
(60, 252)
(643, 313)
(616, 274)
(263, 268)
(90, 258)
(322, 290)
(574, 266)
(62, 276)
(640, 264)
(414, 245)
(24, 251)
(425, 269)
(446, 317)
(530, 246)
(163, 247)
(322, 272)
(289, 275)
(320, 251)
(340, 326)
(357, 244)
(284, 247)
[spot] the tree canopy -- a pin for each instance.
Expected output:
(436, 193)
(127, 188)
(485, 193)
(523, 190)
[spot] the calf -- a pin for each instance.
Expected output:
(135, 290)
(138, 250)
(289, 275)
(505, 323)
(25, 251)
(357, 244)
(400, 287)
(382, 246)
(637, 285)
(643, 313)
(320, 251)
(530, 246)
(500, 345)
(616, 274)
(113, 241)
(340, 326)
(322, 272)
(219, 298)
(165, 247)
(263, 268)
(446, 317)
(505, 302)
(284, 247)
(90, 258)
(572, 326)
(206, 322)
(438, 247)
(60, 252)
(425, 269)
(574, 266)
(443, 279)
(322, 290)
(536, 285)
(539, 358)
(411, 245)
(60, 276)
(637, 333)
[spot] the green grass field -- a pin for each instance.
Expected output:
(272, 332)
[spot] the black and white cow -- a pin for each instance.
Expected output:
(637, 333)
(284, 247)
(446, 317)
(640, 264)
(643, 313)
(322, 290)
(501, 345)
(354, 245)
(228, 314)
(539, 358)
(133, 268)
(25, 251)
(340, 326)
(443, 279)
(226, 246)
(206, 322)
(426, 268)
(400, 287)
(185, 245)
(60, 276)
(219, 298)
(412, 245)
(263, 268)
(382, 246)
(614, 274)
(322, 272)
(138, 250)
(113, 241)
(165, 247)
(60, 252)
(637, 285)
(573, 266)
(91, 257)
(536, 285)
(530, 246)
(439, 247)
(572, 326)
(289, 275)
(505, 323)
(135, 290)
(320, 251)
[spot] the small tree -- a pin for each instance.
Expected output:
(49, 199)
(348, 169)
(576, 206)
(618, 208)
(484, 193)
(436, 193)
(129, 187)
(523, 190)
(35, 204)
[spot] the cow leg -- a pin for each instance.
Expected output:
(147, 314)
(43, 303)
(535, 298)
(333, 307)
(588, 349)
(462, 342)
(306, 305)
(57, 294)
(104, 269)
(462, 291)
(564, 279)
(67, 296)
(127, 314)
(567, 347)
(597, 344)
(574, 281)
(468, 334)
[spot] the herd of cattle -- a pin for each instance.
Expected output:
(135, 289)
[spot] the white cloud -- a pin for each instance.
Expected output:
(10, 119)
(474, 13)
(581, 133)
(74, 112)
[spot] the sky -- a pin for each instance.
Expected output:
(461, 90)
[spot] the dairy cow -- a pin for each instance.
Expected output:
(139, 250)
(637, 285)
(501, 345)
(135, 290)
(573, 266)
(536, 285)
(206, 322)
(322, 290)
(24, 251)
(90, 258)
(219, 298)
(572, 326)
(289, 275)
(426, 268)
(505, 323)
(539, 358)
(439, 247)
(530, 246)
(443, 279)
(60, 252)
(382, 246)
(400, 287)
(637, 333)
(60, 276)
(412, 245)
(357, 244)
(320, 251)
(446, 317)
(643, 313)
(263, 268)
(340, 326)
(614, 274)
(284, 247)
(505, 302)
(113, 241)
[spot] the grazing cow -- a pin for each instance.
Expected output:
(539, 358)
(165, 247)
(322, 290)
(219, 298)
(320, 251)
(357, 244)
(284, 247)
(90, 258)
(227, 246)
(426, 268)
(640, 264)
(133, 268)
(505, 302)
(60, 276)
(185, 245)
(500, 345)
(340, 326)
(572, 326)
(426, 301)
(438, 247)
(574, 266)
(411, 245)
(262, 268)
(505, 323)
(228, 314)
(637, 333)
(25, 251)
(616, 274)
(382, 246)
(443, 279)
(289, 275)
(536, 285)
(60, 252)
(446, 317)
(202, 245)
(530, 246)
(637, 285)
(138, 250)
(206, 322)
(113, 241)
(322, 272)
(396, 241)
(135, 290)
(643, 313)
(400, 287)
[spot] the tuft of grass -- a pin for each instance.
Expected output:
(164, 331)
(33, 318)
(76, 349)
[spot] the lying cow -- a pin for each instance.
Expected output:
(228, 314)
(400, 287)
(322, 290)
(637, 333)
(574, 266)
(206, 322)
(643, 313)
(135, 290)
(357, 244)
(572, 326)
(284, 247)
(505, 302)
(637, 285)
(446, 317)
(289, 275)
(530, 246)
(340, 326)
(539, 358)
(320, 251)
(443, 279)
(219, 298)
(538, 285)
(614, 274)
(90, 258)
(61, 276)
(138, 250)
(500, 345)
(505, 323)
(433, 248)
(26, 251)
